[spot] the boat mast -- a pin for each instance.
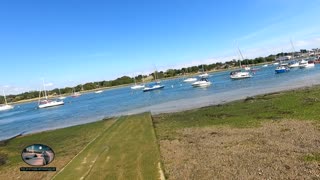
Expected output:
(134, 78)
(292, 48)
(44, 89)
(5, 99)
(241, 56)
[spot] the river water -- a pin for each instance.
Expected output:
(176, 96)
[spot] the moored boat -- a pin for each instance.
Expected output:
(306, 64)
(282, 69)
(203, 82)
(240, 74)
(293, 64)
(190, 80)
(45, 103)
(154, 87)
(98, 92)
(6, 106)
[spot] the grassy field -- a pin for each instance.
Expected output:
(66, 143)
(127, 150)
(301, 104)
(274, 135)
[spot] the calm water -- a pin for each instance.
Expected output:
(92, 107)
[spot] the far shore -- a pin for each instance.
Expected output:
(127, 85)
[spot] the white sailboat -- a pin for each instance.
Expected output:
(6, 106)
(75, 94)
(239, 74)
(155, 86)
(45, 103)
(203, 75)
(137, 86)
(98, 91)
(190, 79)
(61, 97)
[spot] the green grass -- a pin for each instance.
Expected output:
(66, 143)
(312, 157)
(127, 150)
(302, 104)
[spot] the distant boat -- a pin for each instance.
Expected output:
(190, 80)
(203, 82)
(246, 68)
(45, 103)
(61, 97)
(240, 74)
(98, 92)
(137, 86)
(282, 69)
(203, 75)
(154, 87)
(75, 94)
(294, 64)
(6, 106)
(306, 64)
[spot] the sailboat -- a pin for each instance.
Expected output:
(239, 74)
(75, 94)
(190, 79)
(203, 75)
(155, 86)
(137, 86)
(6, 106)
(61, 97)
(45, 103)
(99, 91)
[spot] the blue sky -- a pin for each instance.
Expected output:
(68, 42)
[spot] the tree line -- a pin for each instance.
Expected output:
(124, 80)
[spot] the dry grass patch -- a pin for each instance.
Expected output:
(284, 149)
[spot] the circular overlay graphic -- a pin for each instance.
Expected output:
(37, 155)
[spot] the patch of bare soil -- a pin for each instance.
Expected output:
(276, 150)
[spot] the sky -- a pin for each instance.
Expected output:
(68, 42)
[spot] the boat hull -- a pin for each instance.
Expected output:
(190, 80)
(201, 84)
(51, 104)
(138, 87)
(240, 77)
(6, 107)
(281, 71)
(152, 88)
